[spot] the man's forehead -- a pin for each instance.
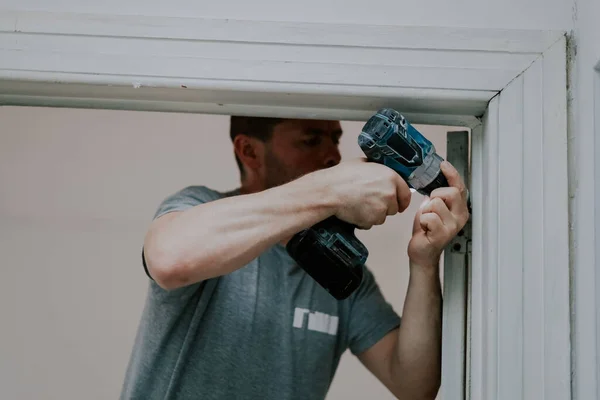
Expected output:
(314, 126)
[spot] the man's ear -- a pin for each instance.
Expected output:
(249, 150)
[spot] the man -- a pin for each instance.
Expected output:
(229, 315)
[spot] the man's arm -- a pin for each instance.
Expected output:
(408, 360)
(218, 237)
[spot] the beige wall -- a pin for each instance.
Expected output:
(77, 191)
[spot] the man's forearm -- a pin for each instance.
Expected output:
(418, 355)
(219, 237)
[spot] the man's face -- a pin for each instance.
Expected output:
(298, 147)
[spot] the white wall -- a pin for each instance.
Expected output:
(78, 189)
(585, 197)
(518, 14)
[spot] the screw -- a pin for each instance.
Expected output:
(456, 247)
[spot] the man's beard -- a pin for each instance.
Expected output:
(277, 173)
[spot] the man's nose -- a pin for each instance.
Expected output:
(333, 156)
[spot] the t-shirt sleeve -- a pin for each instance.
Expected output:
(186, 198)
(371, 316)
(182, 200)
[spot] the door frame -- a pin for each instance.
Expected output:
(508, 86)
(520, 326)
(586, 239)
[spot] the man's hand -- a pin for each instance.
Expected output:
(439, 220)
(365, 193)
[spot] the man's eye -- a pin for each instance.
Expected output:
(313, 141)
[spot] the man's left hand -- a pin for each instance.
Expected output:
(441, 216)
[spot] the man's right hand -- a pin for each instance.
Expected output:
(365, 193)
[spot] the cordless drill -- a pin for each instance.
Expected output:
(329, 251)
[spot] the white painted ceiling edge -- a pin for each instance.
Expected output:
(433, 75)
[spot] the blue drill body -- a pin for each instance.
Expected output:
(387, 138)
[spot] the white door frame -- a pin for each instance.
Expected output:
(520, 309)
(586, 247)
(519, 322)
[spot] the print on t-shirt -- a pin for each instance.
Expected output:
(317, 321)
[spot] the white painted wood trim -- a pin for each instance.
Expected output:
(483, 301)
(296, 33)
(346, 103)
(475, 187)
(511, 223)
(520, 328)
(596, 269)
(434, 75)
(586, 255)
(455, 285)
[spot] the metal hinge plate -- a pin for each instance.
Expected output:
(461, 244)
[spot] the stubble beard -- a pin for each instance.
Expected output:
(277, 173)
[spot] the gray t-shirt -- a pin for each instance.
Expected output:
(266, 331)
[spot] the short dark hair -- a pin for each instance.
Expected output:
(260, 128)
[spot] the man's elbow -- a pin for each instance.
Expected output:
(420, 396)
(165, 269)
(428, 391)
(432, 393)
